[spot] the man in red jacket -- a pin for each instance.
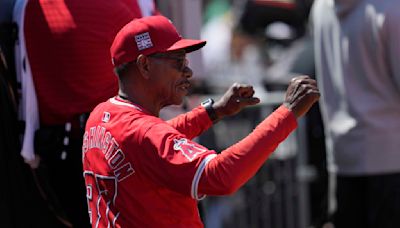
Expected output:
(141, 171)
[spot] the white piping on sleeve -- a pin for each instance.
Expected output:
(197, 176)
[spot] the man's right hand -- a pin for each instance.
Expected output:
(237, 97)
(301, 94)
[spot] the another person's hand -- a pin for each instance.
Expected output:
(301, 94)
(235, 99)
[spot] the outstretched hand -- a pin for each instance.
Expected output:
(301, 94)
(235, 99)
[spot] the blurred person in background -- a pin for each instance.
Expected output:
(21, 204)
(247, 32)
(356, 54)
(63, 63)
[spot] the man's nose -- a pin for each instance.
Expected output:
(187, 72)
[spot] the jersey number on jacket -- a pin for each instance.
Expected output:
(101, 194)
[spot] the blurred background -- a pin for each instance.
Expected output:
(261, 42)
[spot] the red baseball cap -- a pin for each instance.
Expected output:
(146, 36)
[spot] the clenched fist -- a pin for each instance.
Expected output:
(301, 94)
(235, 99)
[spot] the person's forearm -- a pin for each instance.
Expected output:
(228, 171)
(192, 123)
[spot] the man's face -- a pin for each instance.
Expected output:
(170, 74)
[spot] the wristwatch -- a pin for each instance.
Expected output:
(207, 104)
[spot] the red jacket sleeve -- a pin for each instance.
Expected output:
(171, 160)
(228, 171)
(193, 123)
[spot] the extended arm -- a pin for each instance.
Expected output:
(234, 166)
(228, 171)
(195, 122)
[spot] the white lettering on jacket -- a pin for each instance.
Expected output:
(98, 138)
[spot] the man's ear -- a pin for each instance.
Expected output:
(143, 65)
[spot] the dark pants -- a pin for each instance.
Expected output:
(368, 202)
(60, 173)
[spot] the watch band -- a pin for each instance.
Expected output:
(207, 104)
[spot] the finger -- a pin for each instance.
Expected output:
(315, 94)
(300, 81)
(312, 95)
(309, 81)
(237, 87)
(248, 93)
(245, 90)
(299, 89)
(300, 93)
(294, 86)
(248, 101)
(301, 77)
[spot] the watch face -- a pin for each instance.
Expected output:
(209, 101)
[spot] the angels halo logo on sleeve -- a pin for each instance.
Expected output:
(189, 150)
